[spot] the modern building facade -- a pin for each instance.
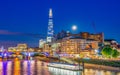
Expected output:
(50, 27)
(73, 45)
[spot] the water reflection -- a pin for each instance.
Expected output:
(9, 68)
(99, 72)
(32, 67)
(1, 68)
(56, 71)
(5, 68)
(28, 67)
(16, 67)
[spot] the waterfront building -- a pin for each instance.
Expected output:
(75, 45)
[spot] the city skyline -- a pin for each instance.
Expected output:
(24, 18)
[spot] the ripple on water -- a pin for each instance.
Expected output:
(32, 67)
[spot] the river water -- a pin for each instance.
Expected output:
(32, 67)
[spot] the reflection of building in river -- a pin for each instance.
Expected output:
(29, 67)
(99, 72)
(9, 68)
(5, 68)
(35, 68)
(17, 67)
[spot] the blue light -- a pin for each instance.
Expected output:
(46, 53)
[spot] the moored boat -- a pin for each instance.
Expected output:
(74, 67)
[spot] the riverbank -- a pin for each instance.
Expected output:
(100, 62)
(92, 64)
(101, 67)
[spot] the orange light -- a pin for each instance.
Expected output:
(17, 67)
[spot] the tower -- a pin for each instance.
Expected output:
(50, 27)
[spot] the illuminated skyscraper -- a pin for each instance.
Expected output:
(50, 27)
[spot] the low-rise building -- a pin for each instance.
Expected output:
(22, 47)
(19, 48)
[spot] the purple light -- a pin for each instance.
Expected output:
(5, 54)
(29, 54)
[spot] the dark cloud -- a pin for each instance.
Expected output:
(5, 32)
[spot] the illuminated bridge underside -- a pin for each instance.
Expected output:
(7, 54)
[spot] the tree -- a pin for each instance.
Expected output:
(115, 53)
(107, 52)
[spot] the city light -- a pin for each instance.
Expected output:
(68, 43)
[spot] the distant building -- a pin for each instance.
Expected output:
(86, 35)
(47, 48)
(12, 49)
(111, 42)
(20, 48)
(41, 43)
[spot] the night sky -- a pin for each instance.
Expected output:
(26, 21)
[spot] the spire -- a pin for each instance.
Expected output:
(50, 13)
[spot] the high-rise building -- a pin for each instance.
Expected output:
(50, 27)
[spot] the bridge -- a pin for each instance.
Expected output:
(5, 54)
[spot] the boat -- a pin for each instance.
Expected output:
(74, 67)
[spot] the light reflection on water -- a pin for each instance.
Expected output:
(27, 67)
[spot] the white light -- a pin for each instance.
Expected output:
(74, 27)
(50, 13)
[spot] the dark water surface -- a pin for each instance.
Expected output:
(32, 67)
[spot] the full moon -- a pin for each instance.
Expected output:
(74, 27)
